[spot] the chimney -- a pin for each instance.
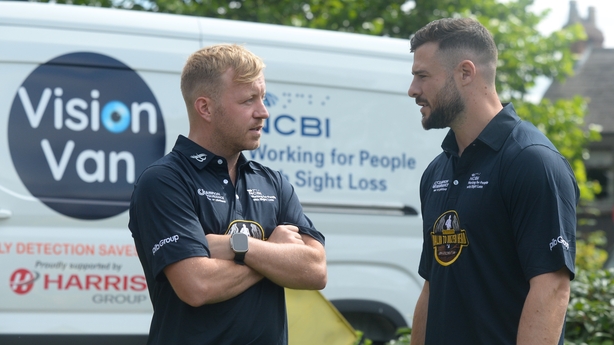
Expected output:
(591, 16)
(595, 36)
(574, 16)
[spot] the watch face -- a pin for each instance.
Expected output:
(239, 242)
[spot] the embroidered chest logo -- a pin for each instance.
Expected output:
(212, 196)
(476, 182)
(441, 186)
(448, 238)
(257, 195)
(200, 157)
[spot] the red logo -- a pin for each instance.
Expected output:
(22, 281)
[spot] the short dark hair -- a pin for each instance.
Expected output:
(460, 38)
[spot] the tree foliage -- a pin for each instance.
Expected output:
(524, 53)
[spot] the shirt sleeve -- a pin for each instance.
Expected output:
(163, 220)
(292, 211)
(542, 195)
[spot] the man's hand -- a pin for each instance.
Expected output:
(286, 234)
(289, 259)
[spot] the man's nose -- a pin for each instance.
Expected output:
(262, 111)
(413, 91)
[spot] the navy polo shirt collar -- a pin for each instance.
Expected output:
(493, 135)
(199, 156)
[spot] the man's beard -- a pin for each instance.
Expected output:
(445, 111)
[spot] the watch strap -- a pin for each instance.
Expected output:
(239, 257)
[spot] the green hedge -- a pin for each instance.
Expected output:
(590, 314)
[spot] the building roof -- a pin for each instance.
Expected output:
(593, 79)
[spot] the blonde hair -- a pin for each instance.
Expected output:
(202, 73)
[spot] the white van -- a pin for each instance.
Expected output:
(89, 97)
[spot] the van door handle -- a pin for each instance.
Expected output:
(5, 214)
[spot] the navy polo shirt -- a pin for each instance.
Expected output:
(176, 202)
(495, 217)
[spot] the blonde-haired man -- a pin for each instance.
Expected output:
(208, 284)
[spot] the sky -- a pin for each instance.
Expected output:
(557, 18)
(559, 13)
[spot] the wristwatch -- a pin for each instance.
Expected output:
(238, 244)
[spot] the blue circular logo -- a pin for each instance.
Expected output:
(115, 117)
(82, 127)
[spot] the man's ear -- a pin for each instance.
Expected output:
(467, 71)
(203, 107)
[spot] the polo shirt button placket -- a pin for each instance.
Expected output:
(220, 162)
